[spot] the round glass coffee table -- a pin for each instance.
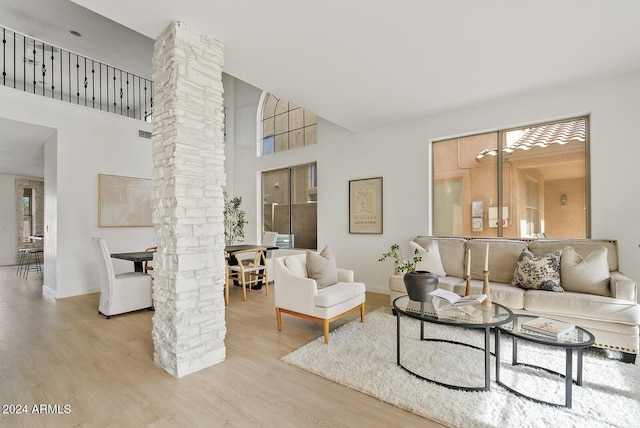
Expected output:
(578, 339)
(473, 316)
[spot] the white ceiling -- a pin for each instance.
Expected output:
(370, 63)
(363, 64)
(22, 148)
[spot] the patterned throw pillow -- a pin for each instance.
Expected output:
(538, 273)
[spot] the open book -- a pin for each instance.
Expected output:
(455, 300)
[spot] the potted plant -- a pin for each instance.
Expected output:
(234, 219)
(399, 263)
(419, 283)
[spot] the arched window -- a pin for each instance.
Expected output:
(286, 126)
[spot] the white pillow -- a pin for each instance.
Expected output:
(589, 275)
(431, 261)
(297, 265)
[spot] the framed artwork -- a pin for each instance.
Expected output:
(365, 205)
(124, 201)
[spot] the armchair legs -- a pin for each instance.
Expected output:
(325, 321)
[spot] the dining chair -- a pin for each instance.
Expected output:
(251, 270)
(226, 278)
(147, 265)
(123, 292)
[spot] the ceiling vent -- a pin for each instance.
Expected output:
(144, 134)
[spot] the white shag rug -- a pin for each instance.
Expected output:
(362, 356)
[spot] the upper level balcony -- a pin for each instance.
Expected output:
(34, 66)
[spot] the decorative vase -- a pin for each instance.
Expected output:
(419, 284)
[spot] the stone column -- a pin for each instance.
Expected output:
(188, 175)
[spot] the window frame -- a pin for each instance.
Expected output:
(501, 133)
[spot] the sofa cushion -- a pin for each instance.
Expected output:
(505, 294)
(451, 253)
(322, 267)
(581, 305)
(430, 255)
(538, 273)
(338, 293)
(396, 283)
(582, 246)
(503, 255)
(585, 275)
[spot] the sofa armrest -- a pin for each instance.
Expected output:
(345, 275)
(623, 287)
(293, 292)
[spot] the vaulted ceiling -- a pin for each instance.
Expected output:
(363, 64)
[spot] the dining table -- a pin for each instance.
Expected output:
(137, 257)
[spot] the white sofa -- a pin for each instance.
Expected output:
(613, 318)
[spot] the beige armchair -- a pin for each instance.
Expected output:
(297, 294)
(124, 292)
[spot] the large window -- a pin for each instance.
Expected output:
(537, 184)
(289, 198)
(286, 126)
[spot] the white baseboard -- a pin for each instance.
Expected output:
(48, 291)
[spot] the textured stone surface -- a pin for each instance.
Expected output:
(38, 192)
(188, 156)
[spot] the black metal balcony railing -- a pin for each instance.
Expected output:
(34, 66)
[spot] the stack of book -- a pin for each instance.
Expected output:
(547, 327)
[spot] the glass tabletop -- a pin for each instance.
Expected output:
(577, 338)
(471, 316)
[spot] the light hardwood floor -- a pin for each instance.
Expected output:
(62, 352)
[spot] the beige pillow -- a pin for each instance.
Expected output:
(431, 261)
(322, 267)
(589, 275)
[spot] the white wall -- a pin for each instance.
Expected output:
(7, 220)
(87, 142)
(401, 155)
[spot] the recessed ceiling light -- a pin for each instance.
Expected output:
(75, 33)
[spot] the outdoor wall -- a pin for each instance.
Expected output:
(87, 142)
(564, 220)
(401, 155)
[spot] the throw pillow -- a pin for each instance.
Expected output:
(431, 261)
(297, 266)
(585, 275)
(322, 267)
(538, 273)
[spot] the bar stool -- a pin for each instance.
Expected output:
(30, 260)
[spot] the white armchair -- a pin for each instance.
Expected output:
(296, 294)
(124, 292)
(270, 239)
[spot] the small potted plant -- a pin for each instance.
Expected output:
(399, 263)
(419, 283)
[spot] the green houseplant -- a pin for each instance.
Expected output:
(399, 263)
(234, 219)
(419, 283)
